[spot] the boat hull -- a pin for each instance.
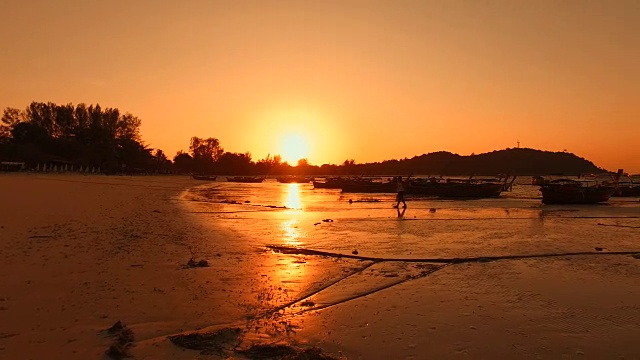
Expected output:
(451, 190)
(329, 184)
(245, 179)
(369, 188)
(628, 191)
(293, 180)
(575, 194)
(457, 190)
(204, 177)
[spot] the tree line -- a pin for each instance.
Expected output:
(106, 138)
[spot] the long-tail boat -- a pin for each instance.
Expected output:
(569, 191)
(458, 188)
(246, 179)
(329, 183)
(205, 177)
(294, 179)
(629, 188)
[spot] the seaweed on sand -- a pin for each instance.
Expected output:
(123, 337)
(225, 342)
(212, 343)
(284, 352)
(193, 263)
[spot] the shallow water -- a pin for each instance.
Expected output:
(297, 215)
(396, 308)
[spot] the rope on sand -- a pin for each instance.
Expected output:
(444, 262)
(454, 260)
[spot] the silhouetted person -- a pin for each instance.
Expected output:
(400, 190)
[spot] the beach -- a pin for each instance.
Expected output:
(289, 265)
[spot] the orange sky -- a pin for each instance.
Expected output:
(369, 80)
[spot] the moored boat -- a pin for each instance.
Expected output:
(205, 177)
(364, 186)
(458, 188)
(629, 188)
(627, 191)
(434, 187)
(567, 191)
(246, 179)
(294, 179)
(328, 183)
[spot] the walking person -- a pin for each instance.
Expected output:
(400, 191)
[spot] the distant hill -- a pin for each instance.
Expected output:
(516, 161)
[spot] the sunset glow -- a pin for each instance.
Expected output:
(293, 148)
(332, 80)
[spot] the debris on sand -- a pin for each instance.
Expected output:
(123, 337)
(365, 200)
(598, 248)
(355, 252)
(117, 327)
(118, 351)
(211, 343)
(269, 351)
(308, 303)
(284, 352)
(194, 264)
(226, 342)
(227, 201)
(327, 220)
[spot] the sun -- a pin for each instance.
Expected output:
(293, 148)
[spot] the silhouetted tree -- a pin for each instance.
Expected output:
(267, 165)
(303, 167)
(161, 163)
(235, 163)
(10, 118)
(183, 162)
(348, 166)
(85, 135)
(205, 152)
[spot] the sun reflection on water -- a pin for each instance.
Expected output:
(291, 270)
(292, 197)
(291, 232)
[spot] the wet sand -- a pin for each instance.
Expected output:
(79, 253)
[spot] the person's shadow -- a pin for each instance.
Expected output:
(401, 212)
